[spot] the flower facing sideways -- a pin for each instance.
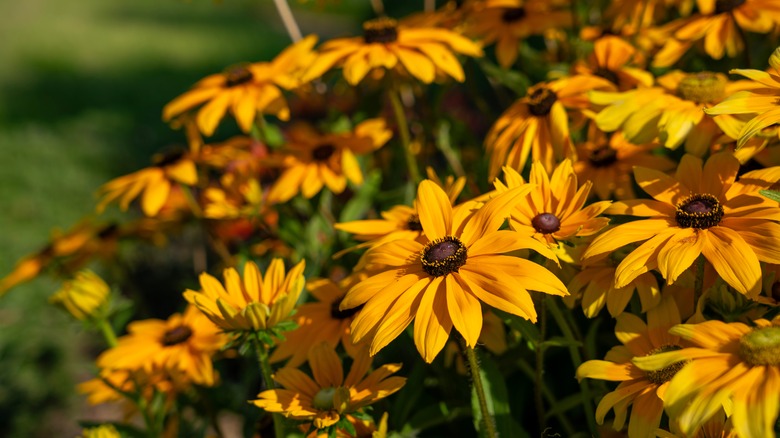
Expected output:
(84, 296)
(442, 281)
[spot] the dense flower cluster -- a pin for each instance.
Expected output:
(563, 183)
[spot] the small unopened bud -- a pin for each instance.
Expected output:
(83, 296)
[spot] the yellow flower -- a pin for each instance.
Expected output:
(761, 101)
(318, 322)
(672, 111)
(314, 160)
(102, 431)
(720, 23)
(537, 124)
(423, 53)
(730, 363)
(442, 280)
(506, 23)
(693, 213)
(611, 59)
(155, 182)
(258, 303)
(106, 388)
(245, 89)
(182, 347)
(83, 297)
(554, 210)
(609, 164)
(644, 389)
(324, 399)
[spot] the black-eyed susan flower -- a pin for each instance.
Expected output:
(441, 281)
(102, 431)
(245, 89)
(554, 210)
(537, 125)
(181, 346)
(313, 160)
(672, 111)
(720, 24)
(328, 397)
(153, 183)
(761, 101)
(84, 296)
(728, 363)
(645, 390)
(617, 61)
(320, 321)
(259, 302)
(506, 23)
(424, 53)
(609, 164)
(696, 212)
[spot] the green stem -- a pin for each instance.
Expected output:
(476, 379)
(403, 130)
(191, 202)
(267, 373)
(698, 285)
(108, 332)
(539, 367)
(576, 358)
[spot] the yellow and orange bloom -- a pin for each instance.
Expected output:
(645, 390)
(181, 347)
(537, 125)
(441, 281)
(102, 431)
(245, 89)
(612, 59)
(424, 53)
(554, 210)
(506, 23)
(84, 296)
(731, 364)
(609, 164)
(313, 160)
(694, 213)
(672, 111)
(259, 302)
(153, 183)
(329, 396)
(320, 321)
(720, 24)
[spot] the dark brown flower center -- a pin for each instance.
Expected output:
(546, 223)
(513, 14)
(606, 74)
(664, 374)
(237, 75)
(176, 335)
(723, 6)
(380, 30)
(699, 211)
(323, 152)
(602, 156)
(336, 313)
(413, 224)
(761, 346)
(168, 157)
(704, 87)
(541, 100)
(442, 256)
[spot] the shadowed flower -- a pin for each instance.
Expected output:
(729, 363)
(442, 280)
(423, 53)
(696, 212)
(245, 90)
(181, 347)
(645, 390)
(83, 297)
(256, 303)
(611, 59)
(329, 396)
(554, 210)
(313, 160)
(154, 182)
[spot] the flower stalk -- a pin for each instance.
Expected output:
(267, 372)
(403, 130)
(476, 379)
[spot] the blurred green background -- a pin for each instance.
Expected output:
(82, 86)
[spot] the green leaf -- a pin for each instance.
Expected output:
(771, 194)
(361, 202)
(560, 341)
(497, 399)
(528, 330)
(406, 399)
(511, 79)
